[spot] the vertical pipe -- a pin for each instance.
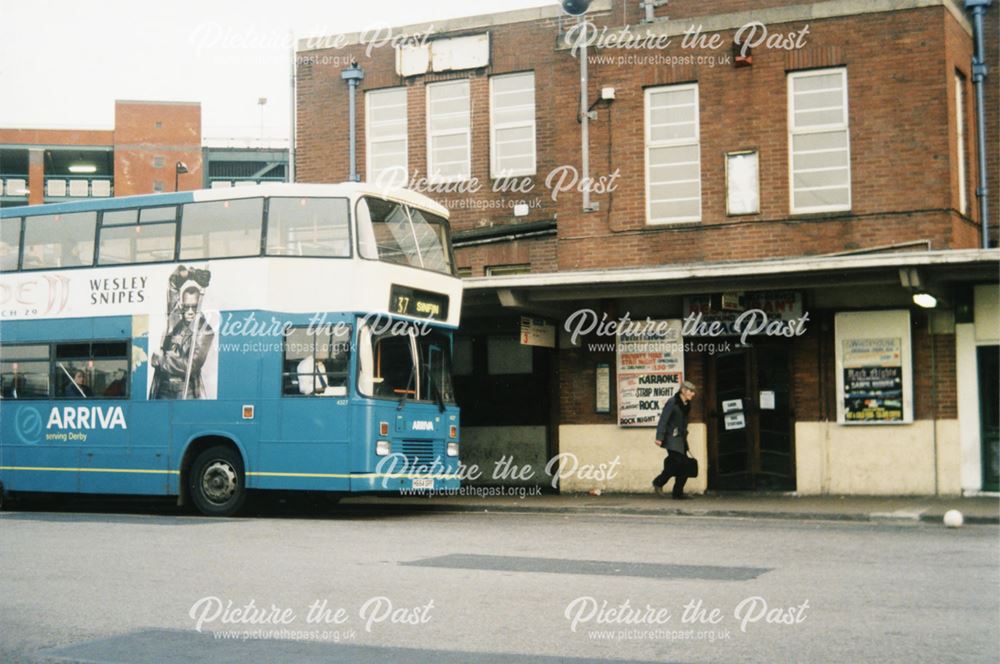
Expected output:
(978, 8)
(353, 131)
(584, 120)
(292, 109)
(934, 402)
(353, 75)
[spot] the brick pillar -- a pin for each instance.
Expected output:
(36, 176)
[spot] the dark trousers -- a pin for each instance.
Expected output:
(675, 465)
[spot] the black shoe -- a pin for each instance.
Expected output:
(682, 497)
(658, 490)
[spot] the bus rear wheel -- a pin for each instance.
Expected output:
(216, 482)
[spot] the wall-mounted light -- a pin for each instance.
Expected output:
(83, 168)
(925, 300)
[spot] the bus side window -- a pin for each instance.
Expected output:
(24, 372)
(59, 240)
(10, 240)
(308, 227)
(315, 364)
(84, 370)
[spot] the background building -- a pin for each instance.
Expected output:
(828, 169)
(154, 146)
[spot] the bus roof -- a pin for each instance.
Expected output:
(344, 189)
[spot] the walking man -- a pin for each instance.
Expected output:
(671, 433)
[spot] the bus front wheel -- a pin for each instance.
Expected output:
(216, 482)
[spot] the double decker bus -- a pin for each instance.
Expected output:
(202, 344)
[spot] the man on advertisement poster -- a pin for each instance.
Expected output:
(187, 340)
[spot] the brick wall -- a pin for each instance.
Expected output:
(81, 137)
(904, 188)
(539, 253)
(934, 375)
(145, 131)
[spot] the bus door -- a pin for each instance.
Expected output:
(409, 375)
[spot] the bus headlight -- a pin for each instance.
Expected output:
(453, 449)
(383, 448)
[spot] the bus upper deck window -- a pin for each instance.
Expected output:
(10, 239)
(59, 240)
(222, 229)
(308, 227)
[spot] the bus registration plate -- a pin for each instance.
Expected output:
(423, 482)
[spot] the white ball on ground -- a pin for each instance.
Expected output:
(953, 519)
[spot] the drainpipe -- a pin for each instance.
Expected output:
(978, 8)
(934, 403)
(353, 76)
(291, 136)
(585, 115)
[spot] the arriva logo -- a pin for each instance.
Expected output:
(86, 417)
(422, 425)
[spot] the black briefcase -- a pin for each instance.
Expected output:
(692, 466)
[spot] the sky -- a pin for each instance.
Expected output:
(63, 63)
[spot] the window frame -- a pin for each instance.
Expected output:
(138, 223)
(377, 259)
(19, 247)
(413, 338)
(49, 352)
(432, 177)
(53, 369)
(266, 229)
(404, 135)
(756, 180)
(24, 237)
(260, 239)
(961, 144)
(648, 145)
(328, 331)
(817, 129)
(495, 173)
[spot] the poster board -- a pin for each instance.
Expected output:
(650, 363)
(874, 367)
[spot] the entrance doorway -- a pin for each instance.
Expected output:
(750, 420)
(989, 418)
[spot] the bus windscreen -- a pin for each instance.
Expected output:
(397, 233)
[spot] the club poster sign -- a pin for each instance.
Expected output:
(650, 364)
(873, 367)
(873, 380)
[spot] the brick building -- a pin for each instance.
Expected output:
(139, 155)
(823, 172)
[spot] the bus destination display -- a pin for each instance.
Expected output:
(406, 301)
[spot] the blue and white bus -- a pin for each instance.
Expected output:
(200, 344)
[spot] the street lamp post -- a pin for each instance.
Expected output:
(179, 167)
